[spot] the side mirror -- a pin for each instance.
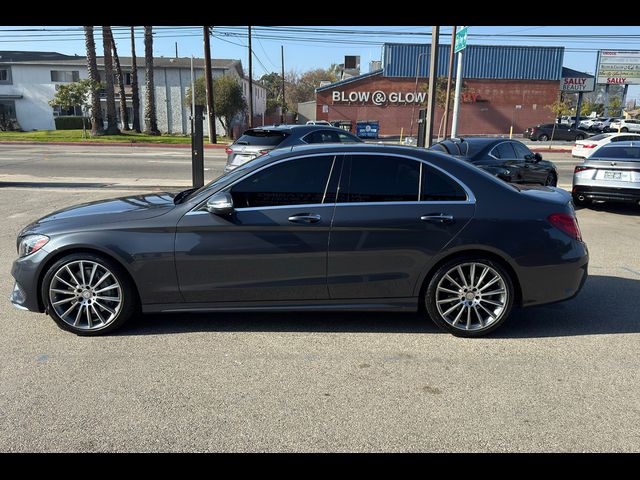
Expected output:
(537, 157)
(220, 204)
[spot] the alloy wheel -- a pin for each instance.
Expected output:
(471, 296)
(86, 295)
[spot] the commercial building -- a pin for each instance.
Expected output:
(28, 81)
(503, 86)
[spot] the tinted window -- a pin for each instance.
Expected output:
(521, 151)
(623, 138)
(322, 136)
(619, 152)
(504, 151)
(261, 137)
(439, 147)
(382, 179)
(602, 136)
(295, 182)
(436, 186)
(346, 138)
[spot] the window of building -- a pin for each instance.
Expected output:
(382, 179)
(7, 110)
(59, 111)
(295, 182)
(65, 75)
(5, 75)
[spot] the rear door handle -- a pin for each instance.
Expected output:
(305, 218)
(437, 218)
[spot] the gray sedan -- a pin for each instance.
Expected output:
(611, 173)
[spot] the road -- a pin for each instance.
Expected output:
(147, 167)
(561, 377)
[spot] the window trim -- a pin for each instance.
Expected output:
(470, 200)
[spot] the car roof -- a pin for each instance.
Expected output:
(477, 144)
(294, 128)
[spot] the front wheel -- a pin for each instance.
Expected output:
(87, 294)
(470, 297)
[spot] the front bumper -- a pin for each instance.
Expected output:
(612, 194)
(26, 272)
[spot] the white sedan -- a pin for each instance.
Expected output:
(584, 148)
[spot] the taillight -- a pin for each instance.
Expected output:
(581, 168)
(589, 146)
(566, 223)
(263, 152)
(228, 150)
(534, 130)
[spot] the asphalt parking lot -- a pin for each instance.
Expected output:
(563, 377)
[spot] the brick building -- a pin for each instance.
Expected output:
(503, 86)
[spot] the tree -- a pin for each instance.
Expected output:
(97, 126)
(76, 94)
(561, 107)
(441, 92)
(303, 87)
(150, 119)
(135, 94)
(124, 116)
(227, 96)
(273, 84)
(112, 122)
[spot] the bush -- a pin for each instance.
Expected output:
(72, 123)
(9, 125)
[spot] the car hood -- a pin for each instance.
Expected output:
(122, 209)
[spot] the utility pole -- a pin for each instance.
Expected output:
(197, 146)
(433, 74)
(606, 100)
(176, 49)
(283, 102)
(211, 118)
(250, 82)
(449, 78)
(456, 100)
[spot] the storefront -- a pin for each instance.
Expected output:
(502, 86)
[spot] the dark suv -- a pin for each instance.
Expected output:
(260, 140)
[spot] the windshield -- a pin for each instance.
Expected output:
(268, 138)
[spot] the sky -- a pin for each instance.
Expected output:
(314, 47)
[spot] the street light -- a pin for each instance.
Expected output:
(415, 94)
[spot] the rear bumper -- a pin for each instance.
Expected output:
(607, 193)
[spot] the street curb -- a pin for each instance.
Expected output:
(111, 144)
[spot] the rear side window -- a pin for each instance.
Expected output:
(438, 187)
(630, 154)
(322, 136)
(382, 179)
(346, 138)
(294, 182)
(261, 137)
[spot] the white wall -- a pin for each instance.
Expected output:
(34, 83)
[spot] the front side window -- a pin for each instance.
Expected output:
(65, 75)
(522, 151)
(295, 182)
(382, 179)
(346, 138)
(322, 136)
(504, 151)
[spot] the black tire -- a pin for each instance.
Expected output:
(551, 180)
(581, 203)
(624, 129)
(126, 307)
(438, 318)
(543, 138)
(579, 137)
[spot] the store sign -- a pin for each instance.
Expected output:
(618, 67)
(577, 84)
(378, 97)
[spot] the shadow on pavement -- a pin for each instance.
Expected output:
(606, 305)
(611, 207)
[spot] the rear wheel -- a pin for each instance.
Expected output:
(87, 294)
(624, 129)
(543, 137)
(470, 296)
(579, 137)
(551, 180)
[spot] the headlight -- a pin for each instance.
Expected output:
(30, 244)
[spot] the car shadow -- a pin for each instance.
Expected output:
(613, 207)
(606, 305)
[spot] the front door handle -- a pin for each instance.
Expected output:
(437, 218)
(305, 218)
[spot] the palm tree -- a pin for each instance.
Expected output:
(135, 95)
(112, 122)
(124, 116)
(97, 127)
(150, 121)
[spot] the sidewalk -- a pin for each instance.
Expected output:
(112, 144)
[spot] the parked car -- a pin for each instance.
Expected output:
(322, 227)
(549, 131)
(611, 173)
(261, 140)
(589, 123)
(584, 148)
(625, 125)
(603, 124)
(319, 122)
(510, 160)
(567, 120)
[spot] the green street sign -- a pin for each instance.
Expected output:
(461, 39)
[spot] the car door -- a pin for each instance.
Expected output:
(508, 160)
(393, 215)
(273, 246)
(532, 171)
